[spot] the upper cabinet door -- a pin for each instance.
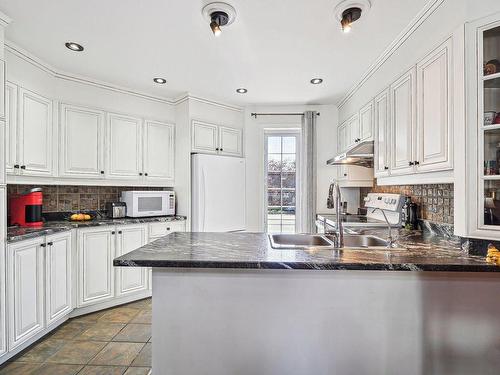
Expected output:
(434, 116)
(130, 279)
(11, 133)
(124, 147)
(3, 311)
(204, 137)
(82, 142)
(58, 282)
(366, 122)
(352, 131)
(381, 127)
(25, 290)
(402, 103)
(230, 141)
(35, 134)
(159, 151)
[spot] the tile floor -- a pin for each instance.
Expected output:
(116, 341)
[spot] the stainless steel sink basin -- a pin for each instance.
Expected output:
(319, 241)
(301, 241)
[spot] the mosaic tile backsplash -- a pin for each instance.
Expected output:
(435, 202)
(76, 198)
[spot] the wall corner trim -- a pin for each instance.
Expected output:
(420, 18)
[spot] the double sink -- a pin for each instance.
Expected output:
(320, 241)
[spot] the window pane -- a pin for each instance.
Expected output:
(274, 180)
(274, 145)
(274, 162)
(288, 179)
(274, 198)
(288, 198)
(288, 163)
(289, 145)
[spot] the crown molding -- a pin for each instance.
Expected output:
(420, 18)
(40, 64)
(4, 19)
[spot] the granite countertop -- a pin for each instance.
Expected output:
(422, 251)
(15, 234)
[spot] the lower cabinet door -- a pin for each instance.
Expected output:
(3, 311)
(58, 280)
(96, 250)
(131, 279)
(25, 290)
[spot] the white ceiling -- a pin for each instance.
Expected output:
(273, 49)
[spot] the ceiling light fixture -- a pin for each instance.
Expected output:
(218, 14)
(241, 91)
(74, 46)
(349, 11)
(161, 81)
(316, 81)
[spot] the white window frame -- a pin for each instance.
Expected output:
(284, 132)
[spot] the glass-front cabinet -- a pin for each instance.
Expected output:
(483, 125)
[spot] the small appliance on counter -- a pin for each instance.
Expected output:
(116, 210)
(26, 209)
(149, 203)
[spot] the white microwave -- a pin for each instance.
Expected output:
(149, 203)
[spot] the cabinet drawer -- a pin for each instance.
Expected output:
(162, 229)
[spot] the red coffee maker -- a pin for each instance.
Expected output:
(26, 209)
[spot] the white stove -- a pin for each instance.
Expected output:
(391, 204)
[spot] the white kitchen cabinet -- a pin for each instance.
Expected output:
(130, 279)
(58, 276)
(11, 125)
(403, 116)
(230, 141)
(366, 122)
(82, 132)
(158, 151)
(2, 84)
(210, 138)
(342, 135)
(205, 137)
(96, 251)
(382, 147)
(35, 134)
(25, 290)
(124, 156)
(3, 310)
(352, 131)
(434, 132)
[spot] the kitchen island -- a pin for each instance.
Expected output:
(230, 304)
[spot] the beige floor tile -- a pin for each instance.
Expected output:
(42, 350)
(142, 304)
(103, 370)
(89, 318)
(70, 330)
(117, 354)
(58, 369)
(77, 352)
(144, 357)
(119, 315)
(102, 331)
(19, 368)
(134, 333)
(144, 317)
(138, 371)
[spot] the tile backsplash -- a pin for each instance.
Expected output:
(435, 201)
(76, 198)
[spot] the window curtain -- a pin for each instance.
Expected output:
(307, 208)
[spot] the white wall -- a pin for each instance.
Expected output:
(254, 146)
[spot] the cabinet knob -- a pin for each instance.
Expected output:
(50, 243)
(119, 232)
(16, 166)
(386, 168)
(345, 174)
(23, 167)
(113, 232)
(217, 149)
(416, 162)
(102, 172)
(222, 149)
(168, 228)
(43, 245)
(145, 174)
(140, 173)
(410, 163)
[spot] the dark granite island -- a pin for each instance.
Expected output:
(227, 304)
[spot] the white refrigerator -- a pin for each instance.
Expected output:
(217, 193)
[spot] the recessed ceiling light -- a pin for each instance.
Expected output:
(74, 46)
(161, 81)
(241, 91)
(316, 81)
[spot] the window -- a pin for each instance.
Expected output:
(281, 160)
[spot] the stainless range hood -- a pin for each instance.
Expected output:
(360, 154)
